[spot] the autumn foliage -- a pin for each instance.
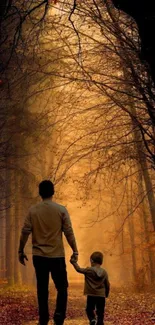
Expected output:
(19, 307)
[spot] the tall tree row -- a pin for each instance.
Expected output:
(26, 122)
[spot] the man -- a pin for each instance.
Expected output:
(47, 221)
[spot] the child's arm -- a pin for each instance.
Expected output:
(78, 268)
(107, 286)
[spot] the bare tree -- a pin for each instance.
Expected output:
(143, 14)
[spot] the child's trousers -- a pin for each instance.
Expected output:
(95, 307)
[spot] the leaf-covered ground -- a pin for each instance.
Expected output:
(19, 307)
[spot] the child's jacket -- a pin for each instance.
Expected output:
(96, 280)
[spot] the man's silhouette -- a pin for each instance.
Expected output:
(47, 221)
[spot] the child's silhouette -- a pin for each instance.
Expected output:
(96, 287)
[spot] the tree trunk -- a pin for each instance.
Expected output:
(131, 230)
(17, 269)
(144, 168)
(9, 231)
(2, 245)
(144, 173)
(144, 222)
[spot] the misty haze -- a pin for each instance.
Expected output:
(77, 105)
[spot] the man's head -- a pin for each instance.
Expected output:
(46, 189)
(96, 258)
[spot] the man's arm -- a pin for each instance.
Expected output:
(68, 232)
(26, 230)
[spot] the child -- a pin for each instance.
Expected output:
(96, 287)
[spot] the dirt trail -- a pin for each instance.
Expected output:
(70, 322)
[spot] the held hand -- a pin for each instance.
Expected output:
(22, 257)
(74, 258)
(72, 261)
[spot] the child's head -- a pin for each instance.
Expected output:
(96, 258)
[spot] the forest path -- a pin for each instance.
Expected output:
(70, 322)
(123, 307)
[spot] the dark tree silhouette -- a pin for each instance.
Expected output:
(14, 15)
(143, 13)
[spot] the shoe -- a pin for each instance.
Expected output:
(93, 322)
(58, 321)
